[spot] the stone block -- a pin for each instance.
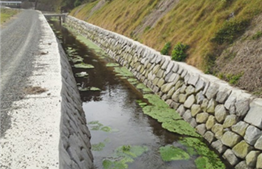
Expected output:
(230, 156)
(193, 122)
(220, 113)
(200, 97)
(259, 162)
(201, 129)
(181, 110)
(240, 128)
(230, 121)
(219, 146)
(173, 78)
(187, 116)
(230, 101)
(230, 139)
(209, 136)
(254, 115)
(251, 158)
(211, 91)
(258, 144)
(179, 84)
(242, 107)
(166, 87)
(193, 79)
(175, 96)
(210, 122)
(252, 134)
(182, 98)
(175, 68)
(183, 88)
(211, 106)
(202, 117)
(160, 73)
(190, 90)
(204, 104)
(219, 131)
(170, 92)
(222, 95)
(242, 165)
(195, 109)
(160, 82)
(200, 85)
(169, 67)
(190, 101)
(241, 149)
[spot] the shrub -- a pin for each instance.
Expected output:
(179, 52)
(166, 49)
(230, 31)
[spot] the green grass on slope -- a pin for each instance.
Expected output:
(206, 26)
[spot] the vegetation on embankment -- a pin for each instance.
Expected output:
(6, 14)
(211, 29)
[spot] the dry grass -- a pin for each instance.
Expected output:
(34, 90)
(193, 22)
(196, 23)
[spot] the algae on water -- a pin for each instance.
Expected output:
(98, 147)
(171, 153)
(96, 125)
(208, 159)
(81, 74)
(123, 155)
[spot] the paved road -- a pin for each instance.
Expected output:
(19, 46)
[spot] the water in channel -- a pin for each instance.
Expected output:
(122, 135)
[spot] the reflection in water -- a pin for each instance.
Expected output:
(115, 107)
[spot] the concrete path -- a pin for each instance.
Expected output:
(30, 94)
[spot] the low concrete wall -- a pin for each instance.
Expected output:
(228, 118)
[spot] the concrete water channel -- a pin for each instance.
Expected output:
(123, 136)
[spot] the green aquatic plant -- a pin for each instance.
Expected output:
(208, 158)
(96, 125)
(112, 65)
(81, 74)
(98, 147)
(122, 71)
(133, 81)
(95, 89)
(123, 155)
(144, 89)
(171, 153)
(84, 66)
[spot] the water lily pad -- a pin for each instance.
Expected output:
(123, 155)
(95, 89)
(98, 147)
(81, 74)
(133, 81)
(171, 153)
(84, 66)
(95, 125)
(112, 65)
(76, 59)
(122, 71)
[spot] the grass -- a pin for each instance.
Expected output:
(193, 22)
(6, 14)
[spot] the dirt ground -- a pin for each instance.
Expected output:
(245, 57)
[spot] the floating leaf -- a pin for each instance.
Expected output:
(171, 153)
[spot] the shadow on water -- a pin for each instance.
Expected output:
(113, 116)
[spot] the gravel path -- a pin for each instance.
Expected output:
(19, 46)
(30, 118)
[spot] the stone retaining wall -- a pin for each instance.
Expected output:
(74, 146)
(228, 118)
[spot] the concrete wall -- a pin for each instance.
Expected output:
(228, 118)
